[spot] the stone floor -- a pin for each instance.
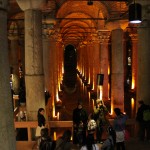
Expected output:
(132, 144)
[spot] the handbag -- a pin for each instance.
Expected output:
(126, 135)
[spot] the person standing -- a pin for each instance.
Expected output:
(80, 118)
(41, 123)
(100, 116)
(144, 126)
(119, 127)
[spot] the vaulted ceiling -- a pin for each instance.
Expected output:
(74, 20)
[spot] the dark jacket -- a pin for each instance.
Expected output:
(80, 115)
(41, 120)
(139, 116)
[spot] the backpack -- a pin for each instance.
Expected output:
(45, 145)
(146, 114)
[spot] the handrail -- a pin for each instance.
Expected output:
(58, 124)
(33, 124)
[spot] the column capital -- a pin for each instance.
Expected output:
(103, 35)
(30, 4)
(132, 33)
(13, 31)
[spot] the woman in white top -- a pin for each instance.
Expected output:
(90, 143)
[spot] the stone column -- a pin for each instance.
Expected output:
(133, 35)
(14, 49)
(96, 62)
(90, 58)
(46, 62)
(104, 60)
(14, 56)
(117, 71)
(34, 77)
(53, 72)
(86, 62)
(7, 130)
(143, 62)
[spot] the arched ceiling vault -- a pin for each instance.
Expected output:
(75, 20)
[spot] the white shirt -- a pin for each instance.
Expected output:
(95, 147)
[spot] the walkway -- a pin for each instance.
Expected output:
(133, 144)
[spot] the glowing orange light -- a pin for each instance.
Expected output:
(133, 83)
(54, 136)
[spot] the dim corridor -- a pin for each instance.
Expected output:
(70, 100)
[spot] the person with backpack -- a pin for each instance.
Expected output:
(142, 117)
(101, 114)
(109, 143)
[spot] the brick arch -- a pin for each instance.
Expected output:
(82, 7)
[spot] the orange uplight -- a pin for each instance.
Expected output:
(93, 103)
(133, 83)
(108, 91)
(58, 115)
(54, 136)
(101, 92)
(108, 70)
(53, 111)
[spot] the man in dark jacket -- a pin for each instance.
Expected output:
(143, 125)
(80, 118)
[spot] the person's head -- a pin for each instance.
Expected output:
(99, 102)
(67, 135)
(44, 132)
(141, 102)
(117, 111)
(79, 105)
(41, 111)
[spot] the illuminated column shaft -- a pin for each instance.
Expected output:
(60, 62)
(34, 77)
(100, 81)
(13, 54)
(51, 77)
(117, 76)
(87, 62)
(46, 62)
(53, 72)
(14, 61)
(96, 62)
(7, 130)
(104, 60)
(90, 50)
(134, 59)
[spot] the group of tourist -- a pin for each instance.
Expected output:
(98, 123)
(86, 126)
